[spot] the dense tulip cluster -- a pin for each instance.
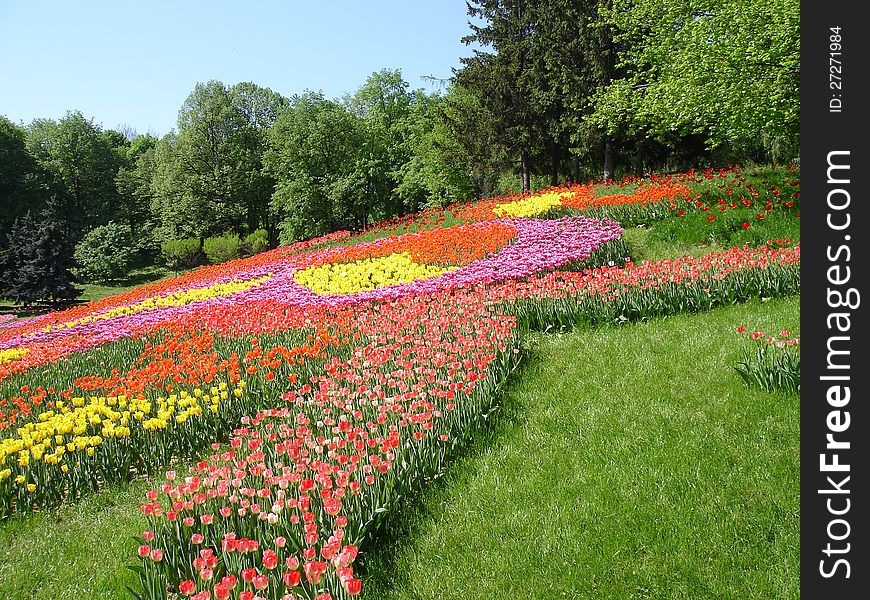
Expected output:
(629, 201)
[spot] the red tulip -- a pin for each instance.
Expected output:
(187, 587)
(292, 578)
(261, 582)
(270, 559)
(249, 574)
(221, 592)
(352, 586)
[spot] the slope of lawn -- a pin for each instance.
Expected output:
(621, 462)
(628, 462)
(77, 551)
(625, 462)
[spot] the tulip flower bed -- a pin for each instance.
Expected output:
(52, 336)
(185, 389)
(641, 291)
(773, 363)
(301, 488)
(330, 379)
(741, 194)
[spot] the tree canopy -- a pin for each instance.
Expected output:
(727, 70)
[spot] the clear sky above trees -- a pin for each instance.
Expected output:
(134, 63)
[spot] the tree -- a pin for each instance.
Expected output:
(211, 157)
(576, 52)
(19, 177)
(444, 166)
(728, 70)
(209, 177)
(83, 163)
(134, 183)
(259, 107)
(503, 80)
(384, 106)
(178, 212)
(105, 253)
(544, 64)
(321, 179)
(38, 260)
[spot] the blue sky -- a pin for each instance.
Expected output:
(133, 63)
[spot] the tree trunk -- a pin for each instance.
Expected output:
(527, 179)
(575, 176)
(555, 155)
(638, 162)
(608, 159)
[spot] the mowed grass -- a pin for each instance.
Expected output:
(628, 462)
(80, 551)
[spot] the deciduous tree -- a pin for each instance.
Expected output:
(728, 70)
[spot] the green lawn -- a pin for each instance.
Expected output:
(629, 462)
(77, 552)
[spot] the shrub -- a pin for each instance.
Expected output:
(106, 253)
(223, 248)
(257, 241)
(180, 254)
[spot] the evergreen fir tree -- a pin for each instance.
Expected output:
(36, 264)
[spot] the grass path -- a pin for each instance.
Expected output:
(629, 462)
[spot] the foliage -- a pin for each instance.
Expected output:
(320, 177)
(18, 177)
(82, 162)
(727, 70)
(541, 65)
(208, 176)
(180, 254)
(135, 194)
(504, 80)
(222, 248)
(257, 241)
(387, 112)
(105, 253)
(437, 171)
(36, 266)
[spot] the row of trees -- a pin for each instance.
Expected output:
(555, 90)
(583, 81)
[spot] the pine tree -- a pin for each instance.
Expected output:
(13, 254)
(504, 79)
(36, 264)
